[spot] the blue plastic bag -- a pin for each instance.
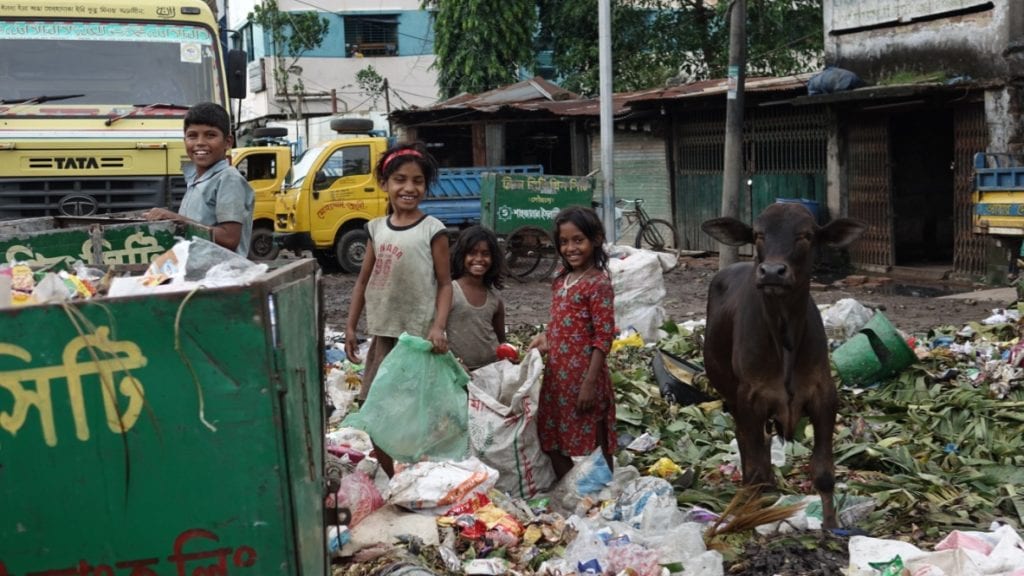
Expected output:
(832, 80)
(417, 407)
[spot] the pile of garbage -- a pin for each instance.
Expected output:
(190, 264)
(928, 453)
(499, 509)
(20, 285)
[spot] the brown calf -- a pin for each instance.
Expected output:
(765, 348)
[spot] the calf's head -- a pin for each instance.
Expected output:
(785, 237)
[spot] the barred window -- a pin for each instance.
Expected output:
(371, 35)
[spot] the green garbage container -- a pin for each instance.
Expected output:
(165, 434)
(113, 240)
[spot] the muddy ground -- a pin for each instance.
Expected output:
(911, 307)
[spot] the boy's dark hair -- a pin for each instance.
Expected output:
(209, 114)
(587, 221)
(469, 238)
(399, 155)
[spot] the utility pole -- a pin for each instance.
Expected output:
(732, 180)
(387, 106)
(604, 34)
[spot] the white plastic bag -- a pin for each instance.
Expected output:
(434, 487)
(647, 503)
(639, 289)
(503, 424)
(845, 318)
(588, 477)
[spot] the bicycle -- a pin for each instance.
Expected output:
(654, 233)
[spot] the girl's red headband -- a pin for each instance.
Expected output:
(397, 153)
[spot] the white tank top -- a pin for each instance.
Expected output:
(401, 294)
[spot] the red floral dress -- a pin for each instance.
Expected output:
(582, 319)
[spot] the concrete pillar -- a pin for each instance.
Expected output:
(835, 167)
(495, 143)
(1004, 114)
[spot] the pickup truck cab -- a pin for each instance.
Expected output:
(331, 193)
(330, 196)
(265, 165)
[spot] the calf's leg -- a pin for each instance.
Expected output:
(823, 419)
(755, 446)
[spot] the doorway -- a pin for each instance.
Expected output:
(922, 188)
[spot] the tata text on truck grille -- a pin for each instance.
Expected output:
(92, 97)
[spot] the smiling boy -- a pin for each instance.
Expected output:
(218, 195)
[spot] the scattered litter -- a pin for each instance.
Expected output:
(998, 552)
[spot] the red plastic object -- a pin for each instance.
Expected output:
(507, 352)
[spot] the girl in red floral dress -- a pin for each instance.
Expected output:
(577, 405)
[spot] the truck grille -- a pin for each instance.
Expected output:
(26, 198)
(72, 162)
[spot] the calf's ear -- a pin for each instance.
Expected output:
(841, 232)
(729, 231)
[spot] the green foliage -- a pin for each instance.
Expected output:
(291, 34)
(481, 45)
(371, 83)
(655, 40)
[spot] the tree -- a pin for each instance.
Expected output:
(481, 44)
(292, 34)
(654, 40)
(372, 84)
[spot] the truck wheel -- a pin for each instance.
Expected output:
(529, 250)
(261, 244)
(352, 125)
(270, 132)
(350, 250)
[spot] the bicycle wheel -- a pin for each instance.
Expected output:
(657, 234)
(529, 249)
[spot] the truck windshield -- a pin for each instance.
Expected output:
(303, 164)
(107, 63)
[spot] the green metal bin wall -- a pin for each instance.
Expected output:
(121, 455)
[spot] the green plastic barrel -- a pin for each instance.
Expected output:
(877, 351)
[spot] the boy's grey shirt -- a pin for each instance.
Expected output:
(221, 194)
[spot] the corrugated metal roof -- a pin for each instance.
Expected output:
(533, 90)
(540, 95)
(721, 85)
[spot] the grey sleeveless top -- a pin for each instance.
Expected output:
(470, 329)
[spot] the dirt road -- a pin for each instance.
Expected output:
(913, 309)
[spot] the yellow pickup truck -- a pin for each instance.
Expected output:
(265, 165)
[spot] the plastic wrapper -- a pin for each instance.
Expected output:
(435, 487)
(358, 494)
(641, 561)
(487, 566)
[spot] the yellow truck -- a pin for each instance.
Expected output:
(92, 97)
(265, 165)
(331, 194)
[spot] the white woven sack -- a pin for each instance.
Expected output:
(503, 424)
